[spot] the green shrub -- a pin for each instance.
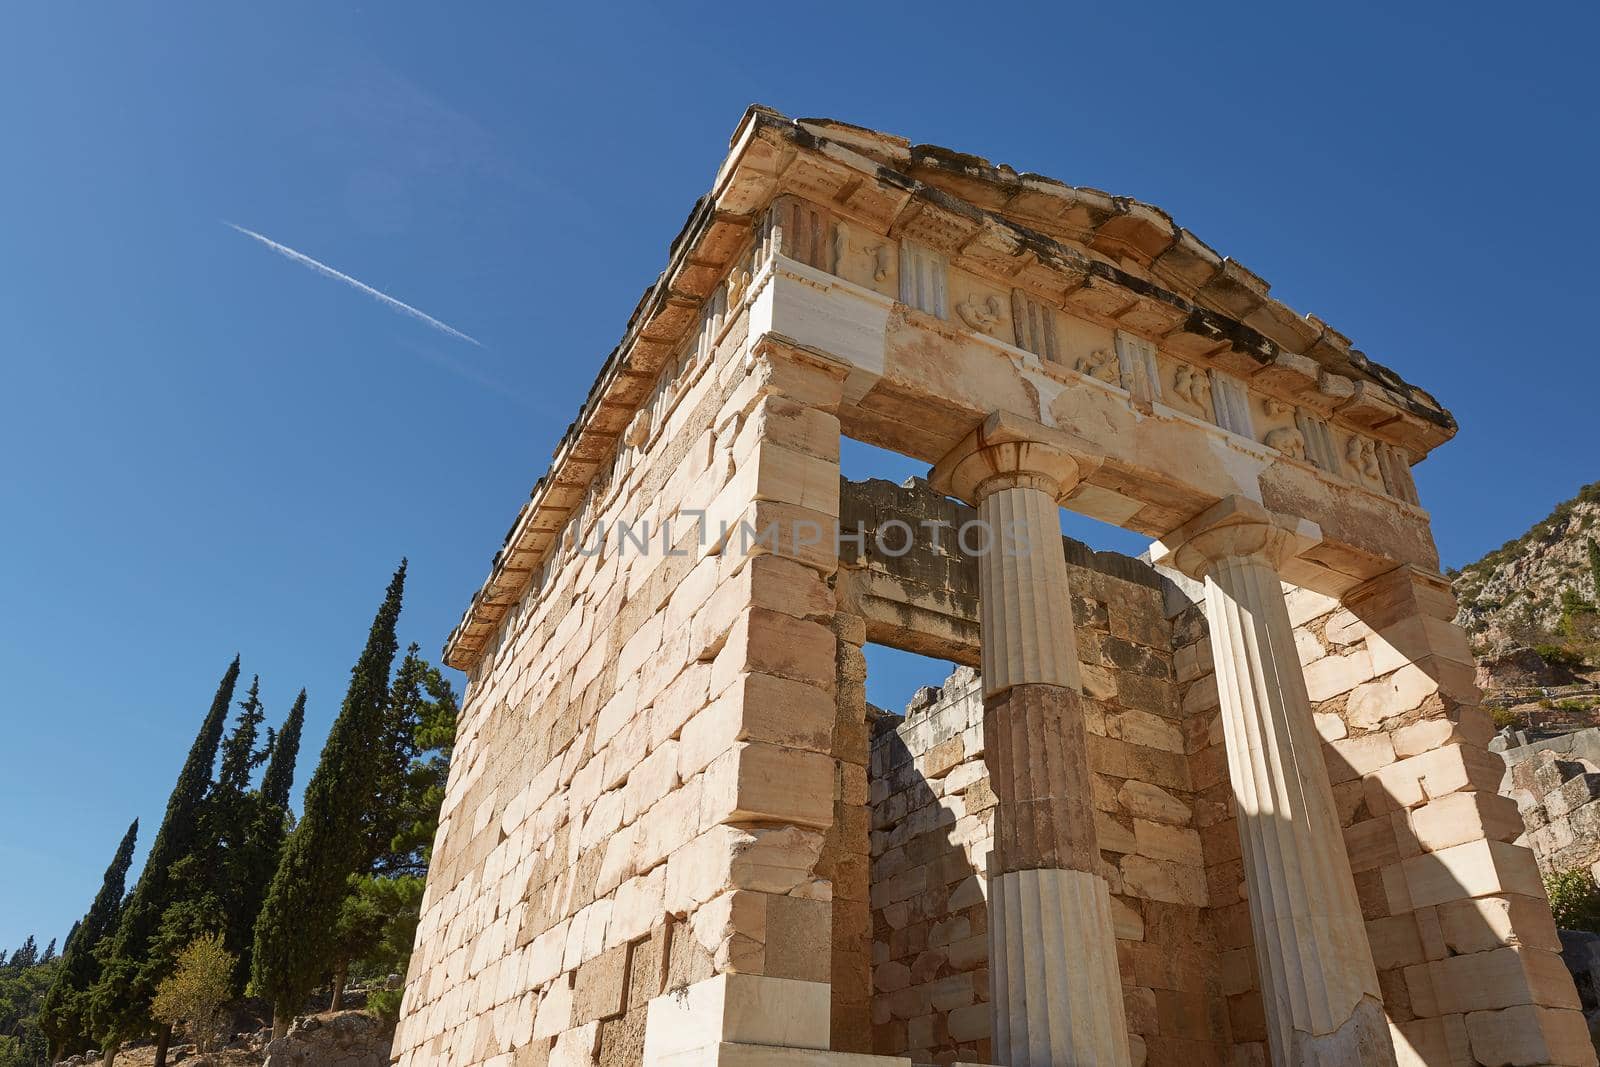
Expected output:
(197, 990)
(1574, 900)
(1559, 656)
(1503, 717)
(384, 1004)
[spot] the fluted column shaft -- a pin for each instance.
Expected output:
(1055, 989)
(1319, 986)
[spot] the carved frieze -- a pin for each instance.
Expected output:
(1034, 326)
(1231, 401)
(1288, 440)
(1362, 456)
(981, 315)
(1101, 365)
(923, 279)
(1189, 383)
(638, 431)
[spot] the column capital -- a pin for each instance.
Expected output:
(1007, 452)
(1234, 528)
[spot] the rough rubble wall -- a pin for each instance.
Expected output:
(1556, 786)
(932, 812)
(615, 824)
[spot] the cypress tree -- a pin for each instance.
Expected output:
(265, 821)
(277, 782)
(232, 872)
(61, 1014)
(295, 939)
(120, 1000)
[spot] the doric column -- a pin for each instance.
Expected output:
(1323, 1004)
(1055, 989)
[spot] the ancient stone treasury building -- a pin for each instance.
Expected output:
(1230, 804)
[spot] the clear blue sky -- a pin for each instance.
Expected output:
(212, 449)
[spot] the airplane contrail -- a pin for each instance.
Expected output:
(324, 269)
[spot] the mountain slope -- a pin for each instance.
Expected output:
(1514, 595)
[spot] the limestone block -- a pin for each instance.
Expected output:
(768, 642)
(1164, 842)
(1357, 756)
(1461, 817)
(1572, 794)
(576, 1047)
(1500, 978)
(638, 906)
(744, 1008)
(1173, 883)
(1474, 869)
(1437, 773)
(1370, 703)
(555, 1009)
(671, 823)
(1527, 1034)
(756, 781)
(1326, 678)
(1423, 736)
(675, 704)
(1330, 725)
(1490, 922)
(600, 986)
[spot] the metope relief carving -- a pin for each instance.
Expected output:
(1100, 365)
(638, 431)
(874, 255)
(738, 283)
(1288, 440)
(1190, 384)
(1362, 455)
(980, 315)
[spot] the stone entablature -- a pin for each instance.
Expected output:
(1090, 264)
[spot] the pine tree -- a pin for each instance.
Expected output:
(26, 956)
(417, 738)
(62, 1015)
(295, 933)
(120, 1000)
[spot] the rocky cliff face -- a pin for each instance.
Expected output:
(1513, 595)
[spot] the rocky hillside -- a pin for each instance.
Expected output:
(1514, 595)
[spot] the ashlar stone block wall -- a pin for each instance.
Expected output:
(643, 774)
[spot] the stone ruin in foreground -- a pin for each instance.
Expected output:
(1230, 807)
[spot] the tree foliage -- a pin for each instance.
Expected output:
(194, 993)
(1574, 900)
(25, 979)
(295, 933)
(132, 961)
(62, 1015)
